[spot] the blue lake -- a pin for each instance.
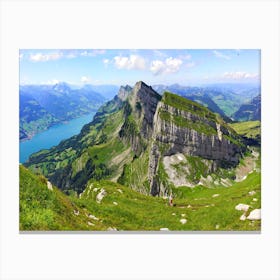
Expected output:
(52, 136)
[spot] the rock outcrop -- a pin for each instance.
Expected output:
(124, 92)
(184, 127)
(144, 100)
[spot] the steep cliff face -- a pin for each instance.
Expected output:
(184, 128)
(124, 92)
(140, 105)
(144, 101)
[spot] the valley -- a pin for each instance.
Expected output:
(52, 136)
(140, 148)
(43, 106)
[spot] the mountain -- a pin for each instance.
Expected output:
(151, 143)
(249, 111)
(193, 93)
(42, 105)
(33, 117)
(224, 99)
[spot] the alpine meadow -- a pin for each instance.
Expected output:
(162, 140)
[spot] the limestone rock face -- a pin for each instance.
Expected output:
(140, 107)
(124, 92)
(145, 100)
(189, 141)
(190, 132)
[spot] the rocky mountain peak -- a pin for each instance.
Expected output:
(62, 87)
(124, 92)
(145, 100)
(143, 89)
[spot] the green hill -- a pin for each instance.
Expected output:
(250, 130)
(125, 209)
(44, 209)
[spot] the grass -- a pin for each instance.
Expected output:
(135, 174)
(250, 129)
(135, 211)
(180, 121)
(185, 104)
(44, 209)
(207, 126)
(125, 209)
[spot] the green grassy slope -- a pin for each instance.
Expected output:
(250, 129)
(125, 209)
(45, 209)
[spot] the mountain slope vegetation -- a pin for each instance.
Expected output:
(250, 131)
(122, 208)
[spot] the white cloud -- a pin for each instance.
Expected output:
(240, 75)
(85, 79)
(106, 61)
(92, 52)
(45, 57)
(131, 62)
(221, 55)
(71, 55)
(21, 56)
(157, 67)
(173, 64)
(170, 65)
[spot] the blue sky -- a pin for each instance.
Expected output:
(120, 67)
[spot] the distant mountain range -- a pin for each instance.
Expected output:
(42, 106)
(249, 111)
(224, 99)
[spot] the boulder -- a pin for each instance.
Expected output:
(100, 195)
(183, 221)
(242, 207)
(255, 215)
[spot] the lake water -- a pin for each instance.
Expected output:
(52, 136)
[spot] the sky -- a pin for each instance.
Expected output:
(121, 67)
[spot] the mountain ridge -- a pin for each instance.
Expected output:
(141, 131)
